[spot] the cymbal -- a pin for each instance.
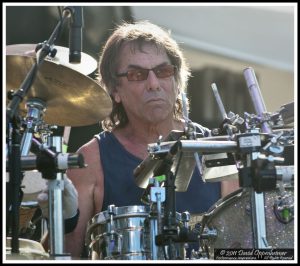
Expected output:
(184, 161)
(87, 65)
(71, 98)
(29, 250)
(216, 170)
(183, 164)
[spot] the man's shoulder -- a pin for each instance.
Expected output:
(89, 146)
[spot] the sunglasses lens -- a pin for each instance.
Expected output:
(137, 74)
(164, 71)
(142, 74)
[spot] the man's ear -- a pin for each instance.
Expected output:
(116, 96)
(178, 91)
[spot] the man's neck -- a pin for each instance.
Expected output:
(145, 133)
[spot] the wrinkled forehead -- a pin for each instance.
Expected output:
(144, 54)
(141, 46)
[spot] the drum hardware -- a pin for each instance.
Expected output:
(158, 230)
(115, 239)
(257, 199)
(183, 165)
(208, 234)
(56, 186)
(287, 113)
(222, 166)
(171, 233)
(156, 196)
(241, 147)
(190, 133)
(36, 109)
(261, 175)
(231, 122)
(48, 161)
(14, 156)
(32, 72)
(257, 154)
(185, 159)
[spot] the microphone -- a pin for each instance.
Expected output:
(256, 97)
(75, 33)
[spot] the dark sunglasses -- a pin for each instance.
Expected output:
(142, 73)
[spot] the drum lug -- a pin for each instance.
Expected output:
(210, 234)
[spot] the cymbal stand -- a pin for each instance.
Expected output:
(13, 130)
(13, 186)
(33, 123)
(56, 221)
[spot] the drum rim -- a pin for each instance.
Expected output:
(121, 212)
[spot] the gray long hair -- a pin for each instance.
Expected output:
(137, 34)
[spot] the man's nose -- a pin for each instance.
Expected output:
(152, 81)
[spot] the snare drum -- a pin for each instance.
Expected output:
(127, 233)
(119, 235)
(228, 223)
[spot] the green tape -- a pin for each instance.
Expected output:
(160, 178)
(64, 148)
(285, 213)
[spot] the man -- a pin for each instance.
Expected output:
(144, 71)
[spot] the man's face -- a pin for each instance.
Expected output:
(151, 100)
